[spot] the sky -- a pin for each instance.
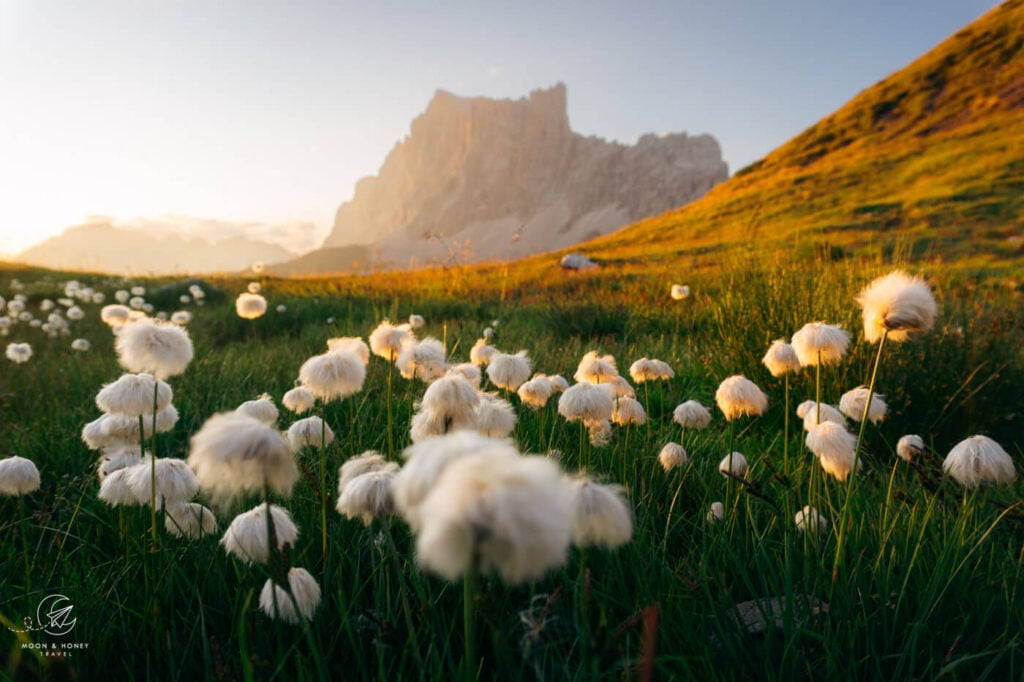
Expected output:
(260, 115)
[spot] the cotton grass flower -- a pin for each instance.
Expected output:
(234, 454)
(299, 399)
(81, 345)
(495, 418)
(18, 476)
(261, 409)
(416, 321)
(509, 371)
(163, 350)
(672, 456)
(618, 387)
(600, 433)
(190, 520)
(601, 515)
(454, 400)
(335, 374)
(310, 432)
(820, 340)
(351, 344)
(511, 514)
(644, 370)
(467, 371)
(819, 414)
(586, 402)
(835, 448)
(75, 313)
(386, 341)
(910, 446)
(809, 520)
(175, 482)
(368, 496)
(781, 359)
(628, 411)
(371, 460)
(679, 292)
(535, 392)
(116, 459)
(691, 415)
(114, 489)
(852, 405)
(896, 306)
(246, 537)
(181, 317)
(738, 396)
(426, 461)
(596, 369)
(716, 513)
(253, 287)
(977, 460)
(480, 354)
(18, 352)
(423, 360)
(302, 586)
(250, 306)
(133, 395)
(736, 464)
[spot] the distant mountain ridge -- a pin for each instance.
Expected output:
(478, 178)
(103, 247)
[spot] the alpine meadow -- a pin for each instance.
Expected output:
(776, 433)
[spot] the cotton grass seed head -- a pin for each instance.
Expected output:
(189, 520)
(601, 515)
(453, 398)
(835, 448)
(899, 304)
(423, 360)
(18, 352)
(716, 513)
(163, 350)
(175, 482)
(495, 418)
(250, 306)
(596, 369)
(426, 461)
(114, 489)
(368, 496)
(333, 375)
(679, 292)
(18, 476)
(738, 396)
(816, 338)
(535, 392)
(618, 387)
(181, 317)
(809, 520)
(586, 402)
(480, 354)
(691, 415)
(371, 460)
(246, 537)
(511, 514)
(828, 413)
(467, 371)
(386, 341)
(299, 399)
(351, 344)
(233, 455)
(509, 371)
(852, 405)
(600, 433)
(261, 409)
(736, 464)
(310, 432)
(781, 359)
(628, 411)
(302, 586)
(132, 395)
(416, 321)
(977, 460)
(81, 345)
(672, 456)
(116, 459)
(114, 315)
(910, 446)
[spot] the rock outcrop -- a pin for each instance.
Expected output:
(479, 179)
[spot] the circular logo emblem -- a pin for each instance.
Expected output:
(54, 615)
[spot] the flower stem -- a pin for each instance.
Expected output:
(152, 467)
(844, 515)
(817, 391)
(470, 662)
(785, 431)
(323, 485)
(24, 543)
(391, 436)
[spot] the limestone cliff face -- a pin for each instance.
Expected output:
(484, 178)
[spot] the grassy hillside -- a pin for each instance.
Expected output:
(930, 161)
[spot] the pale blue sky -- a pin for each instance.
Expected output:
(269, 111)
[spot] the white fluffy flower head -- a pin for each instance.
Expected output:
(163, 350)
(897, 304)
